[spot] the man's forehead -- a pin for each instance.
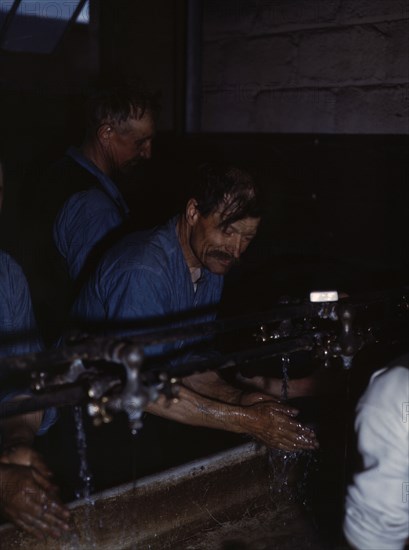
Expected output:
(144, 126)
(135, 120)
(248, 223)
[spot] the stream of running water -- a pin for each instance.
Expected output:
(285, 363)
(85, 488)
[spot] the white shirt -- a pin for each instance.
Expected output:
(377, 503)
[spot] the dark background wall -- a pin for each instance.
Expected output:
(313, 95)
(326, 66)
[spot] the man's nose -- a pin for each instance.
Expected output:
(235, 248)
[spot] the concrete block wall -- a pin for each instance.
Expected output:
(306, 66)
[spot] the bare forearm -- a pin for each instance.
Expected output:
(197, 410)
(269, 422)
(20, 429)
(210, 384)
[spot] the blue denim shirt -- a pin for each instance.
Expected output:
(145, 277)
(18, 333)
(87, 216)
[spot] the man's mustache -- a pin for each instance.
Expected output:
(224, 256)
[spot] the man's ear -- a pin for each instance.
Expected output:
(192, 212)
(104, 133)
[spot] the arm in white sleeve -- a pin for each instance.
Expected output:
(377, 503)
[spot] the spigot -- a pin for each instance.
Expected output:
(97, 411)
(135, 395)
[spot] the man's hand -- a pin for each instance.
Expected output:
(29, 499)
(211, 385)
(273, 425)
(269, 421)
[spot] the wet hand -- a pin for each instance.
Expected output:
(30, 501)
(248, 399)
(277, 429)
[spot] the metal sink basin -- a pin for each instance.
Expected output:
(181, 507)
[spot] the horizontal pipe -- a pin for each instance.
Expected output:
(234, 359)
(73, 395)
(104, 348)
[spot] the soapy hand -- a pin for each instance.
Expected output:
(274, 425)
(28, 497)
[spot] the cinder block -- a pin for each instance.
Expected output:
(227, 17)
(341, 55)
(226, 109)
(372, 9)
(212, 62)
(274, 15)
(350, 111)
(397, 51)
(237, 109)
(373, 110)
(298, 111)
(262, 16)
(264, 61)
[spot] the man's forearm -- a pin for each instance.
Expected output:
(210, 384)
(197, 410)
(21, 429)
(268, 422)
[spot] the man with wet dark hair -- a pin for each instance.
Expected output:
(119, 134)
(81, 207)
(177, 269)
(119, 127)
(215, 183)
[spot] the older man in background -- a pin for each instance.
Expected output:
(79, 210)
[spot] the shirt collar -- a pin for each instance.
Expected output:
(205, 273)
(106, 183)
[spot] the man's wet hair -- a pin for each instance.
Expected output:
(116, 101)
(229, 189)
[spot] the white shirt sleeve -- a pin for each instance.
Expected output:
(377, 503)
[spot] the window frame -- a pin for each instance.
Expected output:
(9, 20)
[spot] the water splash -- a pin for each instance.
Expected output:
(285, 362)
(289, 475)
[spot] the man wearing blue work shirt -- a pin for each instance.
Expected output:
(177, 269)
(82, 210)
(27, 495)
